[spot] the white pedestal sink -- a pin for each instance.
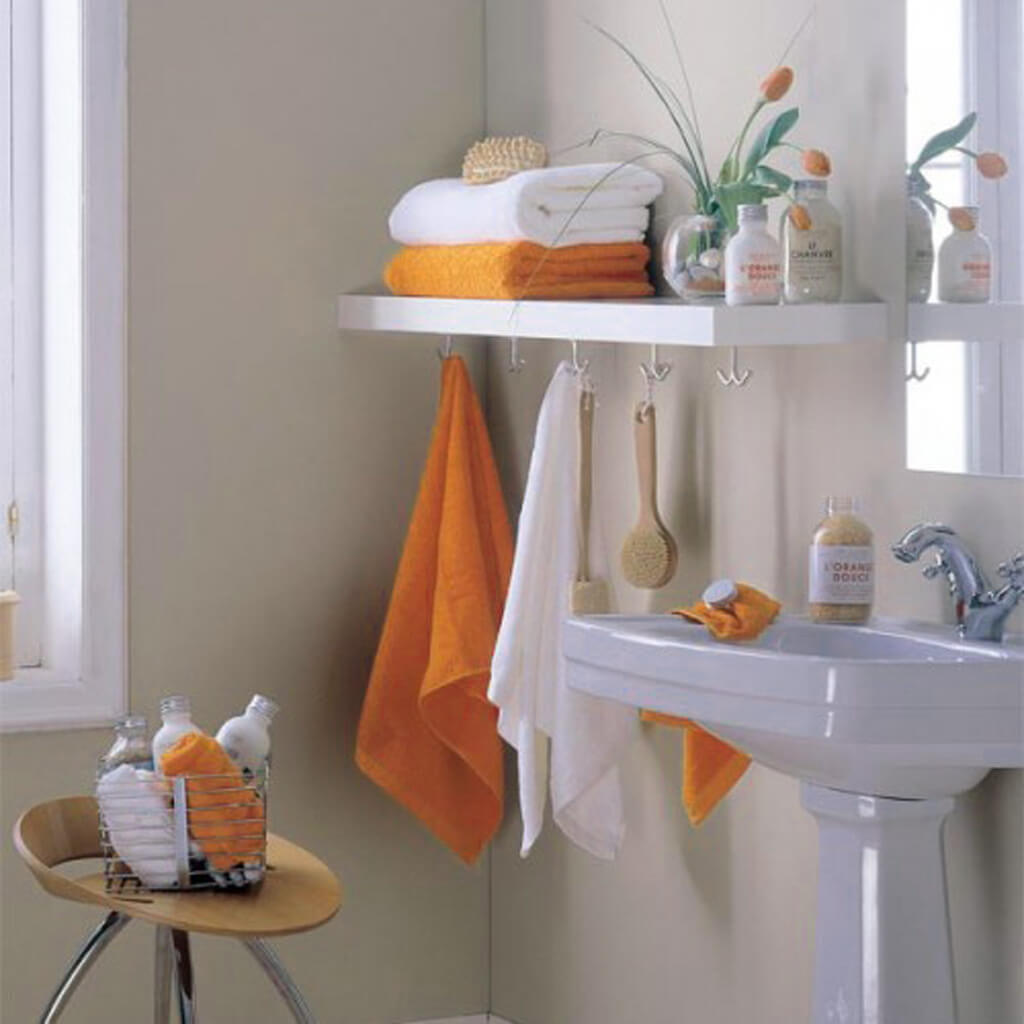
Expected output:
(884, 724)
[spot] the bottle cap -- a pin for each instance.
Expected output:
(263, 706)
(131, 723)
(720, 594)
(176, 705)
(816, 185)
(842, 504)
(752, 212)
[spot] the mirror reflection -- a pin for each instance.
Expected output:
(965, 246)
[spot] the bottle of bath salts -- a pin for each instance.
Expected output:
(130, 745)
(753, 261)
(920, 246)
(176, 713)
(965, 260)
(841, 584)
(812, 258)
(246, 738)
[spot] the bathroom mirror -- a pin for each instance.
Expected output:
(965, 318)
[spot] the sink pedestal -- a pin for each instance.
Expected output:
(883, 952)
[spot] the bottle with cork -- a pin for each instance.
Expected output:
(841, 585)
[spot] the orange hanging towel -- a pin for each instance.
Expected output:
(225, 815)
(710, 766)
(428, 735)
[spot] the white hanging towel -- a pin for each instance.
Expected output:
(537, 710)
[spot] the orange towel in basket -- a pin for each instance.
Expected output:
(428, 735)
(225, 814)
(517, 270)
(712, 767)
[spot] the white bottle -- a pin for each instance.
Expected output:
(176, 713)
(753, 261)
(965, 260)
(920, 246)
(246, 738)
(812, 260)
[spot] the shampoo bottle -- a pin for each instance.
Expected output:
(246, 737)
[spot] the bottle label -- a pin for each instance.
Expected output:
(813, 260)
(757, 278)
(841, 574)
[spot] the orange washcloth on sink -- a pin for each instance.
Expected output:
(516, 270)
(225, 814)
(712, 767)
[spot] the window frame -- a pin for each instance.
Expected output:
(91, 688)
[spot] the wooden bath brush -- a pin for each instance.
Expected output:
(649, 553)
(587, 596)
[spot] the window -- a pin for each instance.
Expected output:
(61, 358)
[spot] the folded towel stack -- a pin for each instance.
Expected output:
(557, 232)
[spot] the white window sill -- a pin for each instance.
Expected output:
(39, 699)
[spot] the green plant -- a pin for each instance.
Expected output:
(989, 164)
(745, 176)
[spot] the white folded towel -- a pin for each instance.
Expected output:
(135, 806)
(533, 206)
(537, 709)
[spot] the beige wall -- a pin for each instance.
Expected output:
(273, 465)
(717, 923)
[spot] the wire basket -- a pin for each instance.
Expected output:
(185, 833)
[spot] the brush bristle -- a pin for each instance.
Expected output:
(589, 597)
(647, 559)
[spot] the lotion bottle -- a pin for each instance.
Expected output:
(176, 713)
(246, 737)
(753, 261)
(965, 260)
(812, 259)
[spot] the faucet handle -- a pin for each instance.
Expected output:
(1013, 570)
(937, 568)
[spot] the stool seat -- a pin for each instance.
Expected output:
(298, 892)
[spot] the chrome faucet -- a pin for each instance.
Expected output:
(981, 612)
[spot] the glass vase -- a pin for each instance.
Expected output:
(693, 257)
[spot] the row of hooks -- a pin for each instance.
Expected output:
(654, 371)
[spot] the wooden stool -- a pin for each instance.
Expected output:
(298, 893)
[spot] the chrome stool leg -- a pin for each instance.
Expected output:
(94, 945)
(183, 974)
(271, 964)
(163, 970)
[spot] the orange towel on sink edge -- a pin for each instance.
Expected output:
(712, 767)
(427, 734)
(517, 270)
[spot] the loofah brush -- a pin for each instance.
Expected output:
(495, 158)
(587, 596)
(649, 554)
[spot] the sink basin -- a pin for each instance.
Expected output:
(884, 724)
(885, 709)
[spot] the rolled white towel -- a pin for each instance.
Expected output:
(542, 206)
(135, 807)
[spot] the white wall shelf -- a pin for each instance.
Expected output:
(637, 321)
(962, 321)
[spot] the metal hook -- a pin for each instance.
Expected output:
(653, 373)
(913, 373)
(445, 351)
(579, 366)
(515, 361)
(734, 378)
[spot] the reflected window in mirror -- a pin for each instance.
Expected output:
(965, 396)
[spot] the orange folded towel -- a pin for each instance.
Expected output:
(515, 270)
(225, 814)
(428, 735)
(712, 767)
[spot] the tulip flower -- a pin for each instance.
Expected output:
(960, 217)
(817, 163)
(799, 217)
(777, 84)
(992, 165)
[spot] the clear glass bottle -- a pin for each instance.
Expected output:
(841, 585)
(176, 713)
(130, 745)
(246, 737)
(753, 271)
(920, 246)
(965, 260)
(812, 259)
